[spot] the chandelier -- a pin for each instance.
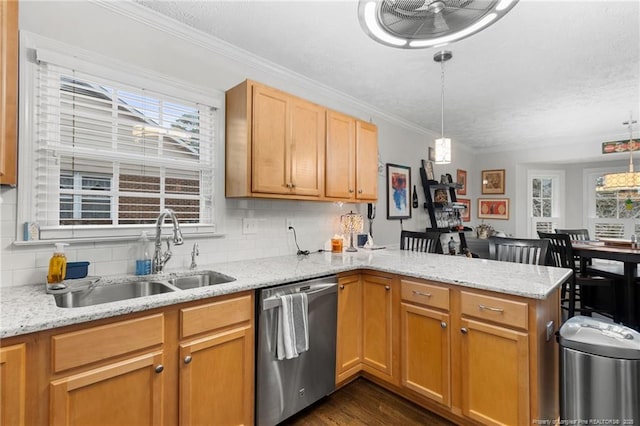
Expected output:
(627, 181)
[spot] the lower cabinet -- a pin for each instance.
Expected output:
(349, 333)
(188, 364)
(380, 327)
(473, 356)
(13, 384)
(216, 371)
(495, 372)
(123, 392)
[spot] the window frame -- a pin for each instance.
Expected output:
(557, 196)
(589, 177)
(112, 69)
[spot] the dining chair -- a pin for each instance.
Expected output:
(428, 242)
(575, 234)
(582, 294)
(518, 250)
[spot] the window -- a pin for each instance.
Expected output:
(109, 154)
(612, 214)
(545, 208)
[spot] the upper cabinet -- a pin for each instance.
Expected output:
(352, 158)
(9, 92)
(277, 146)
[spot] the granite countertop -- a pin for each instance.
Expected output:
(27, 309)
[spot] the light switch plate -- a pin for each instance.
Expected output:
(249, 226)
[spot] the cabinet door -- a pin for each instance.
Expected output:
(216, 379)
(495, 369)
(425, 337)
(128, 392)
(271, 168)
(340, 155)
(9, 92)
(377, 308)
(349, 336)
(367, 161)
(307, 152)
(12, 385)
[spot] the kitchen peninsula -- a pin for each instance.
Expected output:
(486, 312)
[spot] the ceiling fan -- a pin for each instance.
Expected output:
(413, 24)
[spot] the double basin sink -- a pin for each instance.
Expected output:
(98, 294)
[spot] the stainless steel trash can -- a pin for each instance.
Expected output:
(599, 373)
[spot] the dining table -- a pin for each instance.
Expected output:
(624, 269)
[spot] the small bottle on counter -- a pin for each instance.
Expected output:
(143, 260)
(452, 247)
(57, 265)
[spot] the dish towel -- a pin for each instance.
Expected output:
(293, 326)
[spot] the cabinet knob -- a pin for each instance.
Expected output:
(187, 359)
(359, 191)
(443, 324)
(288, 185)
(464, 330)
(341, 286)
(159, 368)
(386, 287)
(293, 185)
(350, 191)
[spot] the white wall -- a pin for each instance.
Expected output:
(182, 54)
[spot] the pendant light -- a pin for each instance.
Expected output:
(628, 181)
(443, 145)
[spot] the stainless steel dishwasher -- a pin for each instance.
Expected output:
(284, 387)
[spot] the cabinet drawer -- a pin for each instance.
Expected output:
(215, 315)
(494, 309)
(425, 294)
(97, 343)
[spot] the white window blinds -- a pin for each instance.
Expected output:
(107, 153)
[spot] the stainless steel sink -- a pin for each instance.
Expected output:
(110, 293)
(203, 279)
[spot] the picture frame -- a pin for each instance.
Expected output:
(432, 154)
(465, 214)
(398, 192)
(429, 170)
(493, 208)
(493, 181)
(461, 178)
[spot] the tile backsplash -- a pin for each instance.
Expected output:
(314, 222)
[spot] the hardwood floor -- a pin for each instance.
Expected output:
(364, 403)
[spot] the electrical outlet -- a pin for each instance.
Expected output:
(249, 226)
(288, 223)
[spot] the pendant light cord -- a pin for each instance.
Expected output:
(442, 100)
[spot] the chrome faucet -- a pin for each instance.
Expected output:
(159, 258)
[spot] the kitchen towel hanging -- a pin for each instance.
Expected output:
(293, 326)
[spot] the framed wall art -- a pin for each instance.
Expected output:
(493, 181)
(465, 214)
(398, 191)
(493, 208)
(428, 168)
(461, 178)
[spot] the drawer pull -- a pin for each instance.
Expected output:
(464, 330)
(160, 368)
(187, 359)
(419, 293)
(489, 308)
(341, 286)
(386, 287)
(443, 324)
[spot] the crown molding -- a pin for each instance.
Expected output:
(206, 41)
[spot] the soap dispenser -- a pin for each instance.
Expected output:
(57, 265)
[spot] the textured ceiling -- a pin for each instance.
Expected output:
(546, 73)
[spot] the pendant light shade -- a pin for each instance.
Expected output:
(443, 145)
(627, 181)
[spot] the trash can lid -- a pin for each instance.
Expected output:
(598, 337)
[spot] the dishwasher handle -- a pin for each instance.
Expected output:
(312, 293)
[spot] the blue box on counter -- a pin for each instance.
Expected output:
(76, 270)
